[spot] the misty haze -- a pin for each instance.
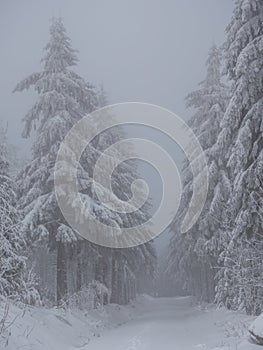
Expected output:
(131, 174)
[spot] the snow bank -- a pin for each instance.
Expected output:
(148, 323)
(256, 330)
(38, 328)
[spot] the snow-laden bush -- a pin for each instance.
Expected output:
(30, 294)
(93, 296)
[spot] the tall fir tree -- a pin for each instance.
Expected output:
(64, 98)
(240, 284)
(193, 255)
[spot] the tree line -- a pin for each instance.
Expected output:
(220, 259)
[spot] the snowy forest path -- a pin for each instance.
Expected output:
(165, 323)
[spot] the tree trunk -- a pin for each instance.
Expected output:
(61, 273)
(79, 266)
(114, 294)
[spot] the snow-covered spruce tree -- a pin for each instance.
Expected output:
(63, 98)
(12, 263)
(193, 256)
(123, 268)
(240, 279)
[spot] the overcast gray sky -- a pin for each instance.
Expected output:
(140, 50)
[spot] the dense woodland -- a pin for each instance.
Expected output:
(220, 258)
(43, 261)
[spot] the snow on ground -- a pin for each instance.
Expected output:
(147, 324)
(37, 328)
(175, 324)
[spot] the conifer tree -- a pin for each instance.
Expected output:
(63, 98)
(194, 254)
(240, 285)
(12, 262)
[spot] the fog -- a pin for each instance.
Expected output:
(150, 51)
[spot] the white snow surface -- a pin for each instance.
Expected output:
(146, 324)
(257, 326)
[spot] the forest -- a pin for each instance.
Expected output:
(46, 264)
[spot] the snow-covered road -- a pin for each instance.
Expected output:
(169, 324)
(145, 324)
